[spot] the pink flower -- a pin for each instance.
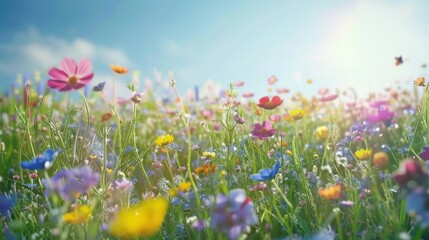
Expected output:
(271, 80)
(239, 84)
(71, 75)
(248, 95)
(328, 98)
(282, 90)
(263, 131)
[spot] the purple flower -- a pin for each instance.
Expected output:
(425, 154)
(266, 173)
(99, 87)
(264, 131)
(123, 185)
(69, 183)
(232, 214)
(42, 161)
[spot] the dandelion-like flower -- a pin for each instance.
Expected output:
(363, 154)
(206, 168)
(164, 140)
(420, 81)
(71, 75)
(80, 214)
(297, 114)
(209, 155)
(143, 219)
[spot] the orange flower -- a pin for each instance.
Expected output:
(206, 168)
(380, 159)
(330, 193)
(118, 69)
(106, 117)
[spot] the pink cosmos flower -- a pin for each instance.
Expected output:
(264, 131)
(71, 75)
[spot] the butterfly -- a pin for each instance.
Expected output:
(398, 61)
(333, 192)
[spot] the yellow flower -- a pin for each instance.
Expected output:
(79, 215)
(322, 132)
(309, 81)
(118, 69)
(184, 186)
(223, 173)
(297, 114)
(420, 81)
(209, 154)
(289, 152)
(164, 140)
(363, 154)
(172, 192)
(143, 219)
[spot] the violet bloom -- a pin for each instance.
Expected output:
(123, 185)
(136, 97)
(232, 214)
(69, 183)
(264, 131)
(425, 154)
(382, 113)
(71, 75)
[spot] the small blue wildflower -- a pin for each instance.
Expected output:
(42, 161)
(99, 87)
(266, 173)
(73, 125)
(129, 149)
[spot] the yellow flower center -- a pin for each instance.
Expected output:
(72, 80)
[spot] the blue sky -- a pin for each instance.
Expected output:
(338, 44)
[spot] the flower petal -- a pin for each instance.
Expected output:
(56, 84)
(69, 66)
(57, 74)
(84, 67)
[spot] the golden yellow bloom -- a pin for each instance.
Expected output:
(363, 154)
(333, 192)
(164, 140)
(380, 160)
(289, 152)
(172, 192)
(420, 81)
(79, 215)
(143, 219)
(209, 154)
(297, 114)
(118, 69)
(309, 81)
(223, 173)
(322, 132)
(184, 186)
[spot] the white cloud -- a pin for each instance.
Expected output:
(29, 51)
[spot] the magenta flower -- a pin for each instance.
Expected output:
(71, 75)
(263, 131)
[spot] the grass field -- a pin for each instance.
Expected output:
(214, 166)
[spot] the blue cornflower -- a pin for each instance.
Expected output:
(266, 173)
(99, 87)
(6, 204)
(42, 161)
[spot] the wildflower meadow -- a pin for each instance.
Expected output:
(79, 162)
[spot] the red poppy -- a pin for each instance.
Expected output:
(267, 103)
